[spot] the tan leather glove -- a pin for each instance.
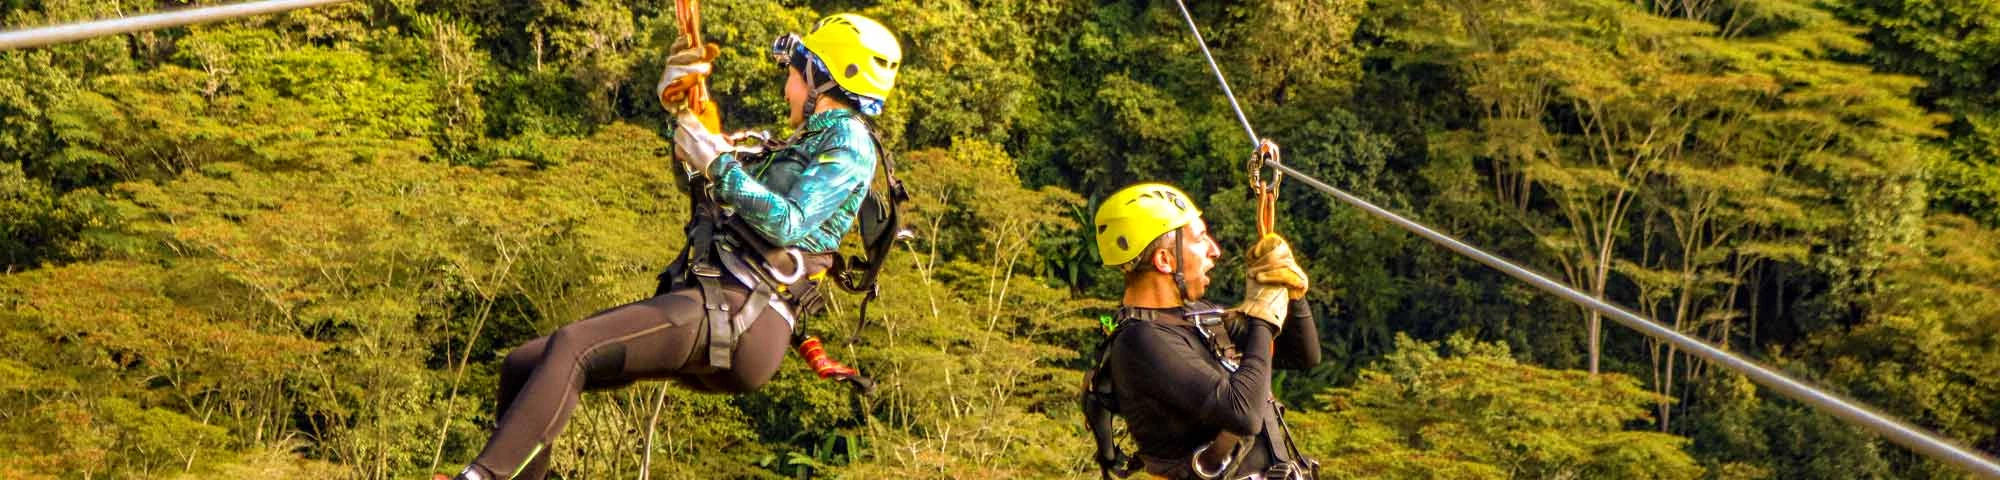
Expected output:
(1274, 279)
(695, 145)
(686, 68)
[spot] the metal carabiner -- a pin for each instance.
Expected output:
(798, 268)
(1194, 461)
(1265, 155)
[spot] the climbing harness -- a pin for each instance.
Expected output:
(1221, 458)
(1853, 412)
(1100, 397)
(880, 225)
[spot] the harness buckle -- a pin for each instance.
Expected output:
(1215, 340)
(1284, 471)
(705, 269)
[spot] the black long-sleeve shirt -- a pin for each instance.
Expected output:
(1175, 396)
(1298, 345)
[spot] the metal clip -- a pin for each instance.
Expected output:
(1266, 192)
(1195, 462)
(798, 268)
(1266, 153)
(1202, 323)
(762, 140)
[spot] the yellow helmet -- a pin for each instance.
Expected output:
(861, 54)
(1129, 220)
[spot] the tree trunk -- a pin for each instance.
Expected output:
(1595, 318)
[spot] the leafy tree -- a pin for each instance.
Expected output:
(1923, 352)
(1469, 410)
(1951, 45)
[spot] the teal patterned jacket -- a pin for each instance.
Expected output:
(807, 194)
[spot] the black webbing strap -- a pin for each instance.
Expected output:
(1291, 461)
(1099, 404)
(879, 222)
(721, 332)
(708, 278)
(1207, 322)
(760, 298)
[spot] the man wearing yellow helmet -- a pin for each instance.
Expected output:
(765, 228)
(1192, 380)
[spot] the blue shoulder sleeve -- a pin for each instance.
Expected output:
(833, 176)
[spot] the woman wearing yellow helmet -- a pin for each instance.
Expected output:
(765, 226)
(848, 55)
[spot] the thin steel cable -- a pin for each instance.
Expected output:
(1226, 92)
(1852, 411)
(50, 35)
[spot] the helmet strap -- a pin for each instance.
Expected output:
(1180, 266)
(812, 96)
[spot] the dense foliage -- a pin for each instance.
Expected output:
(298, 245)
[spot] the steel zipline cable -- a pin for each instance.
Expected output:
(50, 35)
(1853, 412)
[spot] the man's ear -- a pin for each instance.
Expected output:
(1163, 261)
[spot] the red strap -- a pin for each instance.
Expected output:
(824, 365)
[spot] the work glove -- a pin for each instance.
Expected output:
(695, 145)
(686, 68)
(1274, 279)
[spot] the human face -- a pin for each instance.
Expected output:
(1200, 252)
(795, 95)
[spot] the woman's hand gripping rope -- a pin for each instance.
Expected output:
(683, 87)
(683, 91)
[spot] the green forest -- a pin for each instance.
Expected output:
(298, 245)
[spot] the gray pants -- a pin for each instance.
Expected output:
(664, 337)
